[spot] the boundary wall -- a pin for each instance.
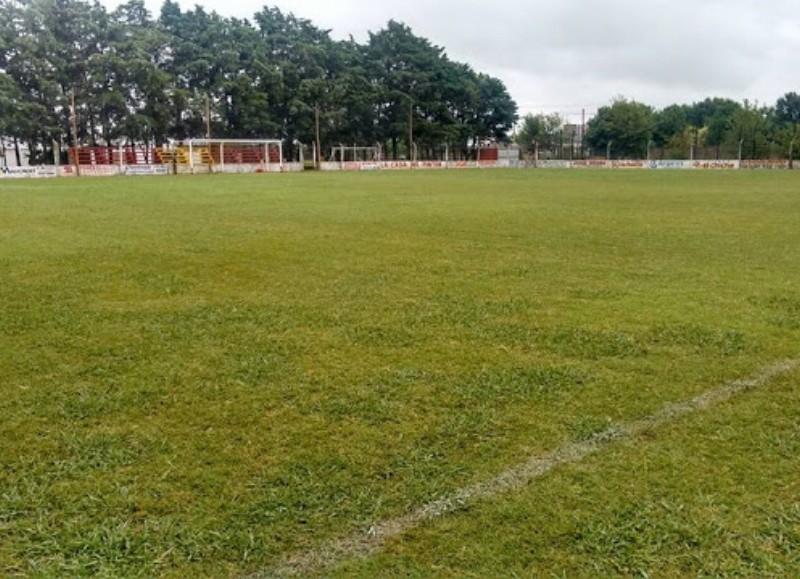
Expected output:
(114, 170)
(665, 164)
(584, 164)
(46, 171)
(407, 165)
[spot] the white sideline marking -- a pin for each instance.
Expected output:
(363, 544)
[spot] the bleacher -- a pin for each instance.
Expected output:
(87, 156)
(179, 156)
(206, 155)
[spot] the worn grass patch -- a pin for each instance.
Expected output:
(203, 376)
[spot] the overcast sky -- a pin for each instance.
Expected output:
(568, 55)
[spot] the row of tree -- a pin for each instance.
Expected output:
(714, 128)
(72, 71)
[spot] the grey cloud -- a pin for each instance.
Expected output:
(697, 49)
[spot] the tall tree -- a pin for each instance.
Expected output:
(299, 51)
(622, 129)
(16, 116)
(497, 112)
(787, 109)
(132, 88)
(787, 116)
(670, 124)
(33, 58)
(712, 120)
(749, 133)
(539, 132)
(403, 66)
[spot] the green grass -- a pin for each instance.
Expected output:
(202, 376)
(713, 495)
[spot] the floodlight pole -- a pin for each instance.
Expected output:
(791, 153)
(608, 151)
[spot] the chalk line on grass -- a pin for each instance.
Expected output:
(363, 544)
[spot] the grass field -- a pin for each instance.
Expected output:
(207, 376)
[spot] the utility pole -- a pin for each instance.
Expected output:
(583, 128)
(74, 121)
(410, 129)
(317, 145)
(208, 117)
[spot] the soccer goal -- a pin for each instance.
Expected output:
(355, 154)
(234, 155)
